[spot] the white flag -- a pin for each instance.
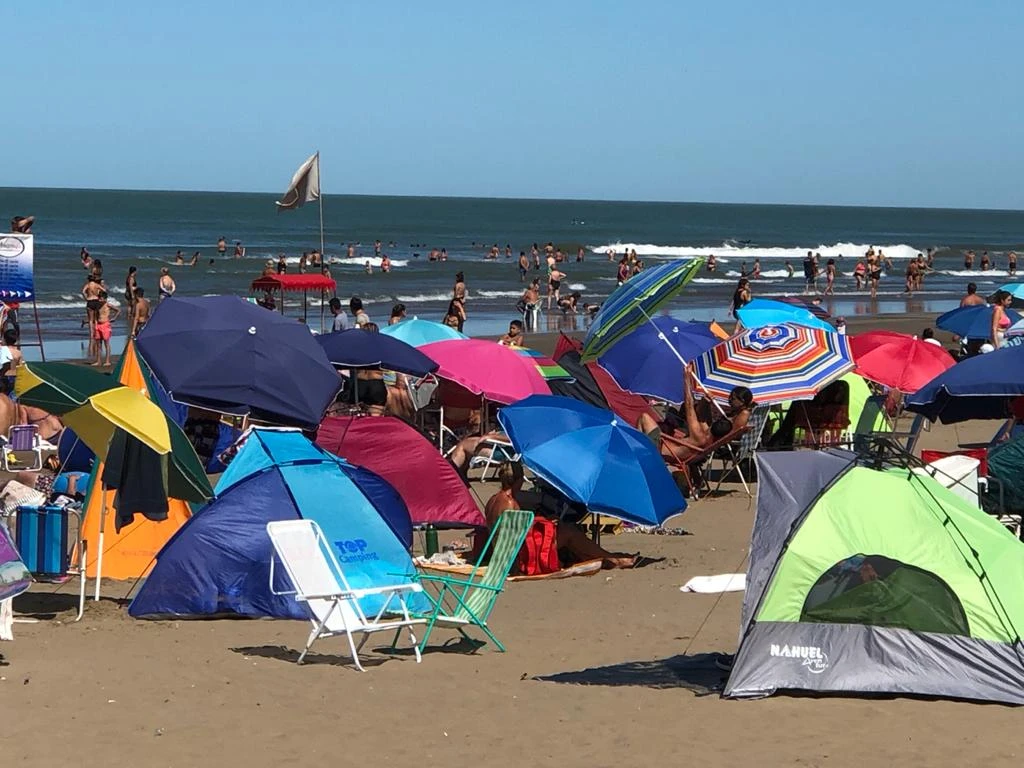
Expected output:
(304, 187)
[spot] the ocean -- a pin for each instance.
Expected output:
(145, 229)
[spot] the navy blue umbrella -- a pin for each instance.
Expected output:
(227, 355)
(972, 322)
(356, 348)
(977, 388)
(649, 360)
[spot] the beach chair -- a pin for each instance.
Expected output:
(689, 471)
(22, 439)
(492, 453)
(319, 582)
(734, 456)
(467, 602)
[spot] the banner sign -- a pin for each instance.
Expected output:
(16, 267)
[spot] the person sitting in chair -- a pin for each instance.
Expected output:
(704, 423)
(571, 540)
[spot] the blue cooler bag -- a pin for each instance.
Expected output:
(42, 540)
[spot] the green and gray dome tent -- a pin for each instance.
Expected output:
(876, 581)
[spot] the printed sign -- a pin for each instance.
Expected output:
(16, 252)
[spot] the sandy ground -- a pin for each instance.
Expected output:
(599, 671)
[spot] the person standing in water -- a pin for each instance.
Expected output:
(141, 315)
(166, 286)
(459, 297)
(239, 249)
(131, 285)
(222, 246)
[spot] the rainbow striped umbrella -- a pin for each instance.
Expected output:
(777, 362)
(546, 367)
(635, 302)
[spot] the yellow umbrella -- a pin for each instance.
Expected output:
(119, 408)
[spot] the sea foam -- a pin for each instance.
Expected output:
(751, 252)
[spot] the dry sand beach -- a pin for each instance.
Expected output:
(600, 670)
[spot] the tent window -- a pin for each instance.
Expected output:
(879, 592)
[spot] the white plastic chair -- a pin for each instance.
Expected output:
(315, 573)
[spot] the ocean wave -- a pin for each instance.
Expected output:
(495, 294)
(359, 261)
(977, 274)
(577, 287)
(847, 250)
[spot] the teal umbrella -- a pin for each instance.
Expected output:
(635, 302)
(418, 332)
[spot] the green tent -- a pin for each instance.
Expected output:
(876, 581)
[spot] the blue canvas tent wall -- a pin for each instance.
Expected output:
(876, 581)
(219, 562)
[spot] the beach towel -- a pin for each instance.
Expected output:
(710, 585)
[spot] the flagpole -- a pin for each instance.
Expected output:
(320, 199)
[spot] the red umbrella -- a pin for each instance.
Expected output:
(898, 360)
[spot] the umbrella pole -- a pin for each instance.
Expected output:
(99, 550)
(682, 362)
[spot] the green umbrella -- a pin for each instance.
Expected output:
(635, 302)
(62, 388)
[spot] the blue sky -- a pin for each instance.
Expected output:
(880, 103)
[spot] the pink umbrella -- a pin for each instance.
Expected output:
(487, 368)
(426, 481)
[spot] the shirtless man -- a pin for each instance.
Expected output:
(141, 315)
(179, 258)
(222, 246)
(91, 293)
(104, 316)
(166, 286)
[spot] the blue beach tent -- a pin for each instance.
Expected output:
(218, 563)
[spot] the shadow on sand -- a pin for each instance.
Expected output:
(696, 673)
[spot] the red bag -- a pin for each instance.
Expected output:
(539, 553)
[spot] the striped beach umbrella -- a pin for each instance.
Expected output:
(635, 302)
(776, 362)
(546, 367)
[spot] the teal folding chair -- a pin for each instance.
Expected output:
(461, 603)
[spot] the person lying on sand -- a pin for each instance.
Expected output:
(570, 541)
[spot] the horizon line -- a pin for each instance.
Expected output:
(523, 199)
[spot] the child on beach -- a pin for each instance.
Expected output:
(105, 314)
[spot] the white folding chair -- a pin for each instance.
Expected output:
(334, 606)
(492, 453)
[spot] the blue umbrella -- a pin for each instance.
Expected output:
(416, 332)
(635, 302)
(972, 322)
(226, 355)
(356, 348)
(593, 458)
(977, 388)
(758, 313)
(644, 361)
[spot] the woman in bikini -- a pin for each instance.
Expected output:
(1000, 321)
